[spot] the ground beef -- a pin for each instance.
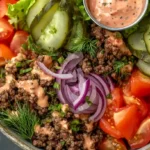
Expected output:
(110, 49)
(15, 94)
(56, 133)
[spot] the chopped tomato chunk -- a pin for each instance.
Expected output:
(140, 84)
(117, 98)
(106, 123)
(126, 120)
(18, 40)
(3, 8)
(6, 30)
(142, 136)
(11, 1)
(111, 143)
(142, 105)
(5, 52)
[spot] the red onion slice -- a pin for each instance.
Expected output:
(71, 62)
(49, 72)
(111, 84)
(87, 107)
(101, 107)
(74, 89)
(83, 94)
(102, 81)
(93, 96)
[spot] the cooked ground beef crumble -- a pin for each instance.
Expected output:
(58, 133)
(111, 49)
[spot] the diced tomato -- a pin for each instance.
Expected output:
(142, 105)
(5, 52)
(11, 1)
(126, 88)
(142, 136)
(117, 98)
(106, 123)
(126, 120)
(140, 84)
(6, 30)
(18, 40)
(3, 8)
(112, 144)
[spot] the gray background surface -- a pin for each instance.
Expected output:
(6, 144)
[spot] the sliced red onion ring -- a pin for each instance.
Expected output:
(87, 107)
(101, 107)
(71, 62)
(74, 79)
(102, 81)
(82, 96)
(75, 90)
(49, 72)
(111, 84)
(95, 82)
(93, 95)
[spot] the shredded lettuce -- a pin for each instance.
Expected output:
(17, 13)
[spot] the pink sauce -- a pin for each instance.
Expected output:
(116, 13)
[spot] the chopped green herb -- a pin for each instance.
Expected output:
(23, 63)
(109, 96)
(24, 46)
(87, 99)
(56, 107)
(24, 71)
(52, 95)
(61, 60)
(2, 73)
(57, 67)
(62, 143)
(118, 35)
(75, 125)
(56, 86)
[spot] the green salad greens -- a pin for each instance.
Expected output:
(17, 13)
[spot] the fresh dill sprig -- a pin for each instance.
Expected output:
(22, 121)
(85, 45)
(89, 46)
(118, 65)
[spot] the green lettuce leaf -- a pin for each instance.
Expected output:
(18, 12)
